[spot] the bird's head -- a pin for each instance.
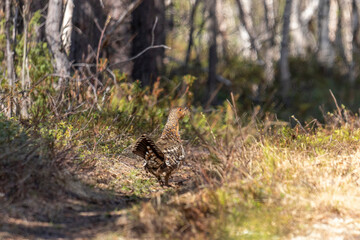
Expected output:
(179, 112)
(172, 124)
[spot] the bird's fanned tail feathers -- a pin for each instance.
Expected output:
(143, 145)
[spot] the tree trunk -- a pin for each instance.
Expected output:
(333, 21)
(148, 25)
(25, 78)
(270, 19)
(309, 11)
(53, 37)
(246, 20)
(213, 58)
(87, 19)
(67, 26)
(325, 53)
(9, 58)
(269, 44)
(192, 27)
(299, 42)
(347, 36)
(357, 23)
(284, 53)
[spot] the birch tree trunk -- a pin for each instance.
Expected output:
(333, 20)
(67, 26)
(9, 58)
(347, 36)
(325, 51)
(284, 53)
(356, 26)
(245, 18)
(53, 37)
(245, 42)
(270, 44)
(25, 78)
(309, 12)
(270, 19)
(299, 38)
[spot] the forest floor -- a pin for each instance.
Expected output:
(284, 185)
(100, 211)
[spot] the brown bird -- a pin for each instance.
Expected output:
(167, 154)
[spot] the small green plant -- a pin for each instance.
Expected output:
(137, 185)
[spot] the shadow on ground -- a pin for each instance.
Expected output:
(95, 211)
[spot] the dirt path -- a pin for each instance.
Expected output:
(83, 213)
(117, 185)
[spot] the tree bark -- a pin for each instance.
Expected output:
(146, 67)
(191, 31)
(270, 19)
(25, 78)
(284, 53)
(300, 42)
(213, 58)
(269, 55)
(67, 26)
(347, 37)
(325, 53)
(53, 37)
(309, 12)
(246, 20)
(9, 57)
(357, 23)
(333, 20)
(88, 20)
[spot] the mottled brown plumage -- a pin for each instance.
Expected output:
(167, 153)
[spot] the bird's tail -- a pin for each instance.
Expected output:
(143, 145)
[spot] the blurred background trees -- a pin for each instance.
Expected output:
(283, 55)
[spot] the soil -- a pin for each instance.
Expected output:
(89, 207)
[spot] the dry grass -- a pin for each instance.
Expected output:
(264, 180)
(279, 184)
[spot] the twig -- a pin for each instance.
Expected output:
(213, 95)
(89, 65)
(100, 41)
(299, 123)
(336, 104)
(102, 4)
(153, 31)
(140, 53)
(130, 9)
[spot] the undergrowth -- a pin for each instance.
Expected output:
(263, 186)
(25, 162)
(255, 177)
(252, 176)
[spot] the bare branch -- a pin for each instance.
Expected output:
(153, 31)
(140, 53)
(120, 20)
(100, 41)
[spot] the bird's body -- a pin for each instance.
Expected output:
(167, 154)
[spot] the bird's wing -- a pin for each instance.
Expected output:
(173, 151)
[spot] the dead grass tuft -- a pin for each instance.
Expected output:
(274, 182)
